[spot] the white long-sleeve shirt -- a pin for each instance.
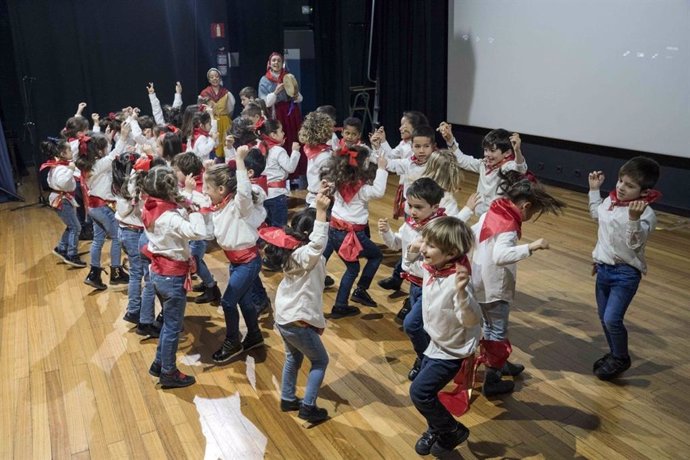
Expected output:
(278, 166)
(230, 224)
(172, 231)
(357, 210)
(402, 151)
(61, 179)
(300, 294)
(494, 269)
(314, 167)
(619, 239)
(158, 111)
(453, 323)
(405, 235)
(100, 178)
(126, 212)
(204, 145)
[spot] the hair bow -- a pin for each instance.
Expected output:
(259, 123)
(353, 153)
(111, 116)
(277, 237)
(83, 145)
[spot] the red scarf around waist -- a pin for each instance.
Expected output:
(503, 216)
(261, 181)
(241, 256)
(163, 265)
(351, 246)
(416, 280)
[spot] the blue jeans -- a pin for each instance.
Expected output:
(413, 324)
(369, 251)
(198, 249)
(172, 291)
(301, 342)
(433, 376)
(495, 320)
(129, 239)
(277, 211)
(104, 222)
(239, 291)
(615, 288)
(148, 296)
(69, 242)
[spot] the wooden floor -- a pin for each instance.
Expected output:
(74, 381)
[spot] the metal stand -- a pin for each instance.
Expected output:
(361, 104)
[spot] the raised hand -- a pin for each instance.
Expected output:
(295, 146)
(446, 130)
(536, 245)
(189, 183)
(636, 208)
(462, 277)
(473, 200)
(322, 202)
(178, 87)
(150, 88)
(596, 178)
(242, 152)
(384, 227)
(515, 141)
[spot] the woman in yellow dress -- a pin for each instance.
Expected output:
(223, 104)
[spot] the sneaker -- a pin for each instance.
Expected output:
(493, 385)
(93, 279)
(155, 369)
(449, 441)
(118, 275)
(252, 341)
(312, 414)
(289, 406)
(406, 308)
(211, 295)
(597, 364)
(75, 261)
(201, 287)
(362, 296)
(328, 281)
(415, 370)
(148, 330)
(228, 351)
(612, 368)
(425, 443)
(512, 369)
(176, 379)
(340, 311)
(131, 318)
(61, 254)
(392, 283)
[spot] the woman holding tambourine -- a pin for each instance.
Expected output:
(281, 92)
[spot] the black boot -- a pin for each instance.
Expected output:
(211, 295)
(512, 369)
(93, 279)
(118, 275)
(312, 414)
(493, 385)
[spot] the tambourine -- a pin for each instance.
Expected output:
(290, 84)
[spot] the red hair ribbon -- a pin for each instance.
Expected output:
(277, 237)
(143, 163)
(259, 123)
(173, 129)
(202, 107)
(530, 176)
(83, 144)
(353, 153)
(111, 116)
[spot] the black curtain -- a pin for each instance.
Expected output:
(411, 39)
(103, 53)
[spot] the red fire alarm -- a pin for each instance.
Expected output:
(217, 30)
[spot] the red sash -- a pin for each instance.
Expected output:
(98, 202)
(458, 400)
(241, 256)
(399, 202)
(416, 280)
(277, 184)
(261, 181)
(170, 267)
(503, 216)
(57, 202)
(351, 246)
(651, 196)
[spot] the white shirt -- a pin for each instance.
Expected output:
(300, 294)
(401, 240)
(278, 166)
(314, 167)
(493, 264)
(402, 151)
(126, 212)
(100, 179)
(204, 145)
(335, 142)
(407, 170)
(487, 186)
(453, 324)
(357, 210)
(450, 204)
(230, 224)
(61, 179)
(172, 231)
(619, 239)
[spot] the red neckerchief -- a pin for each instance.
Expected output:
(440, 212)
(416, 160)
(199, 183)
(217, 207)
(349, 190)
(277, 237)
(261, 181)
(267, 143)
(153, 209)
(343, 145)
(210, 94)
(503, 216)
(312, 151)
(651, 196)
(53, 163)
(277, 80)
(510, 157)
(198, 132)
(447, 270)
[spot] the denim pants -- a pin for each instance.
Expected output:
(495, 320)
(433, 376)
(369, 251)
(148, 296)
(239, 291)
(172, 292)
(69, 242)
(413, 324)
(277, 211)
(615, 288)
(198, 248)
(129, 239)
(104, 222)
(301, 342)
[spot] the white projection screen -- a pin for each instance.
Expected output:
(607, 72)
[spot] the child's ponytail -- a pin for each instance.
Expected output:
(300, 228)
(518, 188)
